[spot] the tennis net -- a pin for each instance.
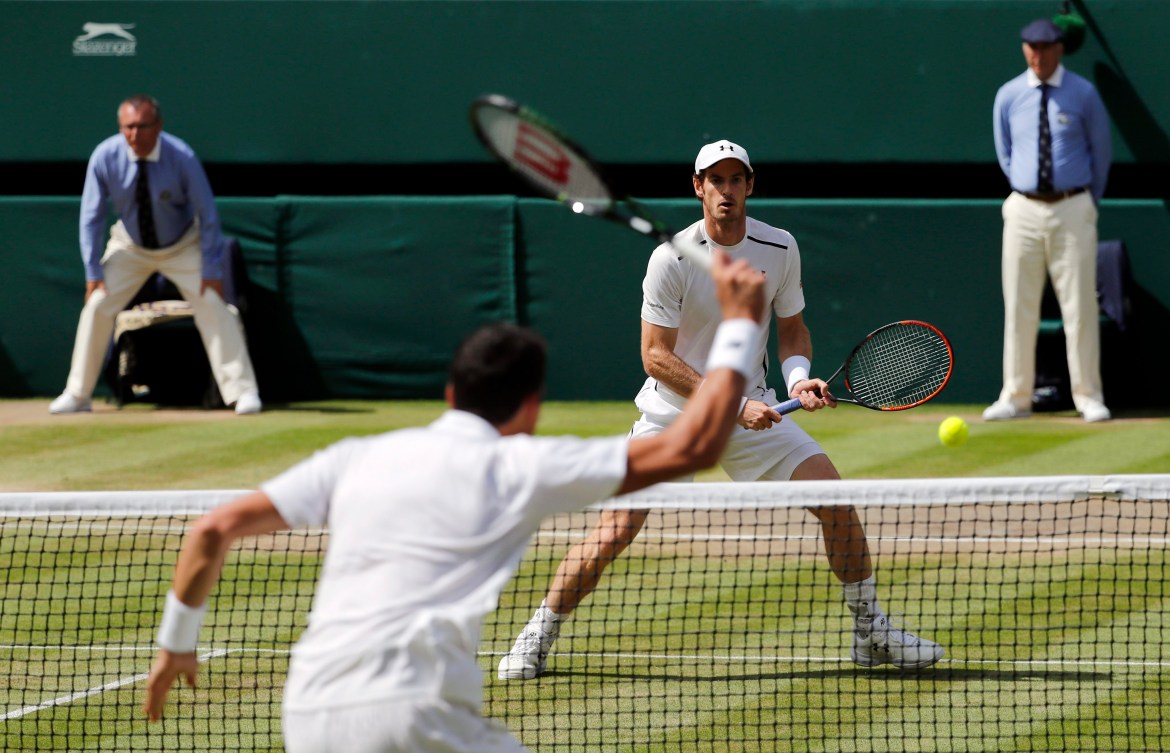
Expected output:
(722, 627)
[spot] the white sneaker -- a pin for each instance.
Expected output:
(1094, 412)
(529, 653)
(885, 644)
(248, 403)
(67, 403)
(1001, 411)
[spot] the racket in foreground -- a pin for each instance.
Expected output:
(895, 367)
(555, 166)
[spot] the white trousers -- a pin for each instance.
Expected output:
(126, 267)
(398, 726)
(1057, 240)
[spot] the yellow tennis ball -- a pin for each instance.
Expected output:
(952, 432)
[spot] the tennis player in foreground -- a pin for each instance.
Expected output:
(427, 526)
(679, 320)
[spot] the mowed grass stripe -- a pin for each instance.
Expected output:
(1147, 445)
(139, 448)
(1012, 707)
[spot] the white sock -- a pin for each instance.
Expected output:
(550, 621)
(861, 597)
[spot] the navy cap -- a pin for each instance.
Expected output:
(1042, 30)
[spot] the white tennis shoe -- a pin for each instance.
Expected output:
(529, 653)
(883, 643)
(1094, 412)
(67, 403)
(1001, 411)
(248, 403)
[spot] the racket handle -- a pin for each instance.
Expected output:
(788, 406)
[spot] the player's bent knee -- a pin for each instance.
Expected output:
(816, 468)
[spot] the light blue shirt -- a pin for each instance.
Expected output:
(180, 195)
(1082, 147)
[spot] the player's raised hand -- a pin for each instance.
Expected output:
(739, 287)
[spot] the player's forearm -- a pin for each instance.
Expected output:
(671, 371)
(698, 437)
(794, 341)
(200, 562)
(694, 441)
(707, 421)
(212, 536)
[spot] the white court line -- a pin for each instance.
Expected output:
(1069, 539)
(214, 654)
(70, 698)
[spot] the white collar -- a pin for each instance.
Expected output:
(1056, 79)
(467, 424)
(152, 157)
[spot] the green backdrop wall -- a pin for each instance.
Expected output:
(367, 297)
(639, 81)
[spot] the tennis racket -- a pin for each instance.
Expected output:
(558, 168)
(895, 367)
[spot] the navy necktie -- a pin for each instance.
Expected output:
(145, 210)
(1044, 181)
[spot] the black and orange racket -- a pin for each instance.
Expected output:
(898, 366)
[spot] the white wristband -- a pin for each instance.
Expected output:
(794, 369)
(179, 630)
(734, 346)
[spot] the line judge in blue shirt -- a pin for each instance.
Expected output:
(1057, 164)
(166, 222)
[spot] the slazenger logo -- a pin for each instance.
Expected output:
(105, 39)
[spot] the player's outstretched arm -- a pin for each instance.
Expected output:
(696, 439)
(196, 573)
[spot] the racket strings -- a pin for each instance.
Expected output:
(899, 366)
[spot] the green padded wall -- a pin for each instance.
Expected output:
(367, 297)
(382, 290)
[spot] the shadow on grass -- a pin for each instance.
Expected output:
(883, 674)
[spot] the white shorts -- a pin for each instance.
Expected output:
(396, 725)
(771, 454)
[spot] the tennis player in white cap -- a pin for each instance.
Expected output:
(680, 317)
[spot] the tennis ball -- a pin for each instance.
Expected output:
(952, 432)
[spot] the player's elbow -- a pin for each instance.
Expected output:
(655, 359)
(708, 450)
(213, 533)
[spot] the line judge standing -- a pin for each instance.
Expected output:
(167, 223)
(1053, 142)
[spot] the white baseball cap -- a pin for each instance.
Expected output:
(721, 150)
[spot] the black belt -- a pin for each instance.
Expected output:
(1054, 196)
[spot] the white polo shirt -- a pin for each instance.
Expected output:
(679, 295)
(426, 526)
